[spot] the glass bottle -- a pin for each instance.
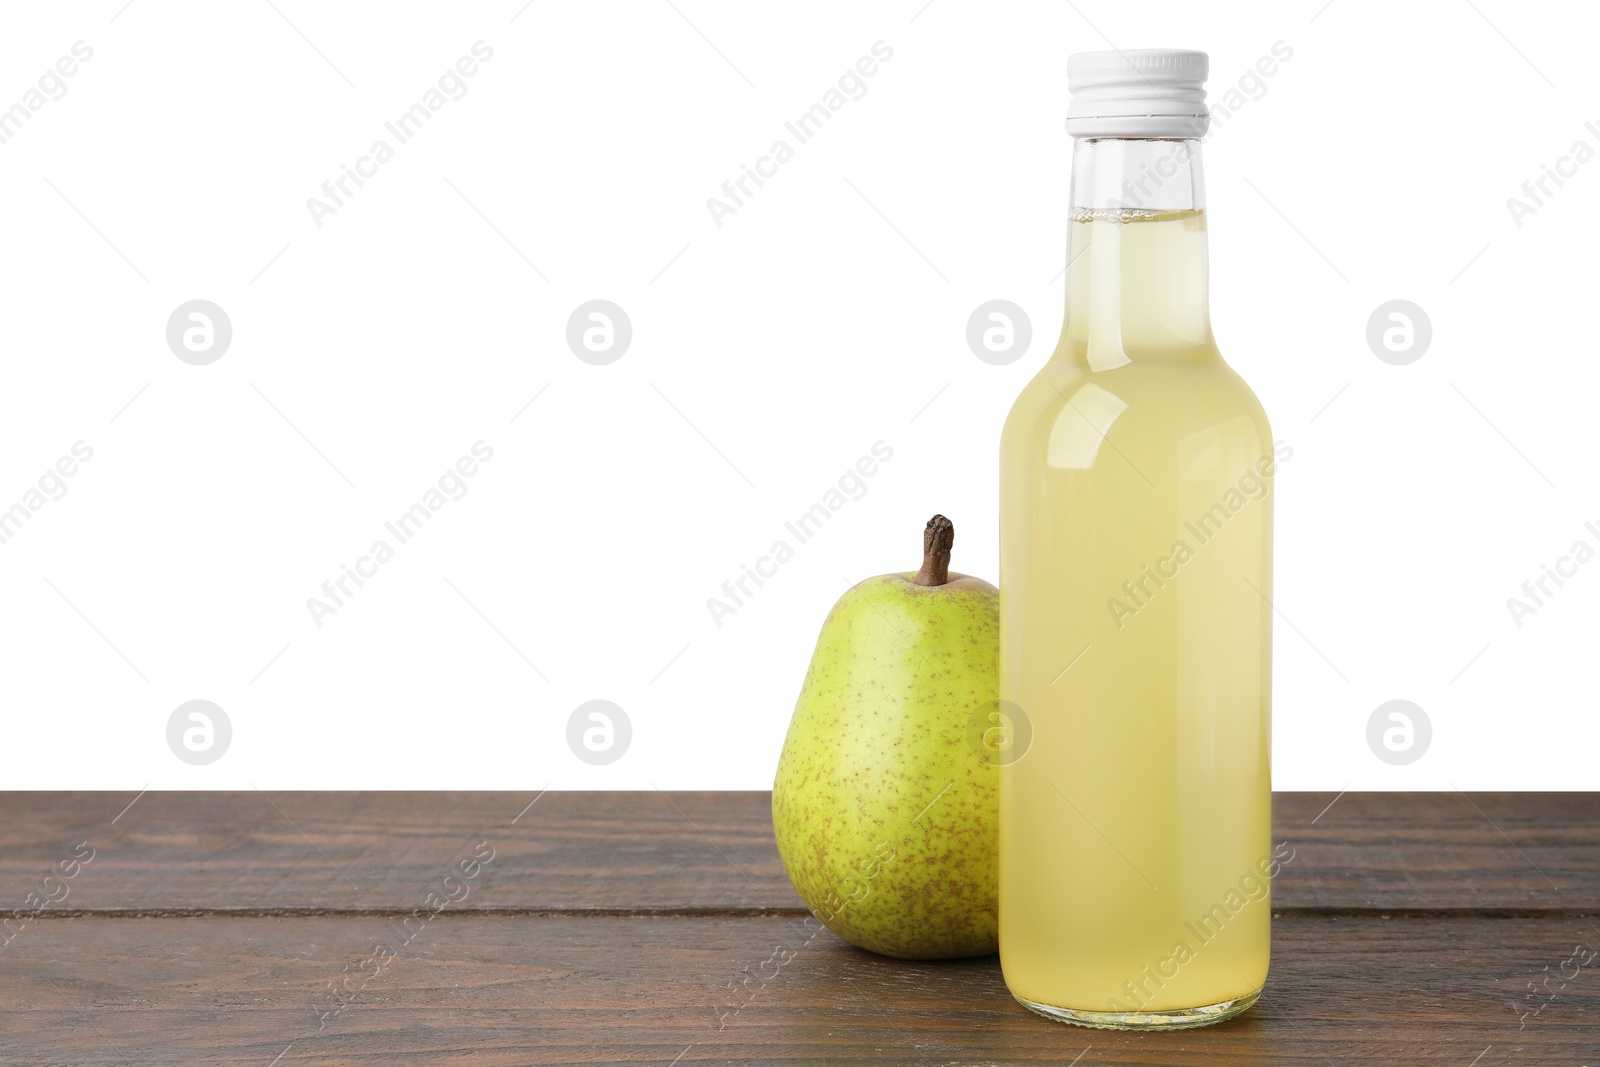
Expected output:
(1135, 579)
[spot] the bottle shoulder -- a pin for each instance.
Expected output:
(1153, 399)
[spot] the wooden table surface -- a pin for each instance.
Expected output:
(659, 928)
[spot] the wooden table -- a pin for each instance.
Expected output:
(659, 928)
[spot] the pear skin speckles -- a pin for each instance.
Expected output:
(886, 819)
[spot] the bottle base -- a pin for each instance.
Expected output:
(1180, 1019)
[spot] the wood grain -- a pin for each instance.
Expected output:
(502, 990)
(654, 928)
(1510, 853)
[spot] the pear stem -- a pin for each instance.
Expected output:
(937, 538)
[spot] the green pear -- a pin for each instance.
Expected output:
(886, 815)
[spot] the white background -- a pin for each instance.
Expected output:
(768, 355)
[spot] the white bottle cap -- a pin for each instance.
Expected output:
(1141, 92)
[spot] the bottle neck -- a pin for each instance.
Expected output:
(1136, 261)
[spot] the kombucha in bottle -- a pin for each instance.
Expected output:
(1135, 577)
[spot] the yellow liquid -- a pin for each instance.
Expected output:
(1144, 802)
